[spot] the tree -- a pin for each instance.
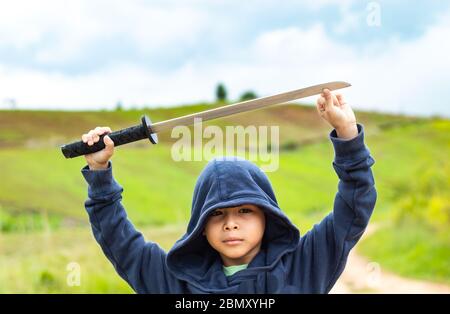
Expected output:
(248, 95)
(119, 106)
(221, 93)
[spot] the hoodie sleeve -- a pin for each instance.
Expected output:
(325, 248)
(140, 263)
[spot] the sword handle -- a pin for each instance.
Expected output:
(120, 137)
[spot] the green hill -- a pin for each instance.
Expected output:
(42, 193)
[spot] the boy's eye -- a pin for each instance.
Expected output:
(245, 210)
(216, 213)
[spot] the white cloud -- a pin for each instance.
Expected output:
(402, 77)
(393, 76)
(127, 83)
(71, 27)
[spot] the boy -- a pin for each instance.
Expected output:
(238, 240)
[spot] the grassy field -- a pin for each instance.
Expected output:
(44, 225)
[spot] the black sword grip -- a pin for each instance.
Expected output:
(120, 137)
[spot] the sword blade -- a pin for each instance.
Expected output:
(245, 106)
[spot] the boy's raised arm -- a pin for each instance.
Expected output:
(324, 249)
(139, 262)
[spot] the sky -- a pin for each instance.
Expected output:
(78, 55)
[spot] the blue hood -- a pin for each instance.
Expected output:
(228, 182)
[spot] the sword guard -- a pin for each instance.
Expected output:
(147, 125)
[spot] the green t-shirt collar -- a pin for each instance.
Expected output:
(231, 270)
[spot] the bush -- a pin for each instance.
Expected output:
(424, 199)
(248, 95)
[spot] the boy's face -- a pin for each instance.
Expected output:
(236, 233)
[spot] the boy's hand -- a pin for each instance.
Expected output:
(99, 160)
(338, 114)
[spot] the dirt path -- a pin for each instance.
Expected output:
(363, 276)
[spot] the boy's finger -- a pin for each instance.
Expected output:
(320, 111)
(321, 105)
(90, 137)
(340, 99)
(321, 101)
(108, 142)
(328, 98)
(86, 137)
(335, 100)
(103, 130)
(94, 136)
(329, 95)
(99, 130)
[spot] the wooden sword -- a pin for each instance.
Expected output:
(148, 130)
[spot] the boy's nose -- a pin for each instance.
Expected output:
(231, 225)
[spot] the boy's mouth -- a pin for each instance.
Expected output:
(232, 241)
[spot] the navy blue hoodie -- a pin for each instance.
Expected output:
(286, 263)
